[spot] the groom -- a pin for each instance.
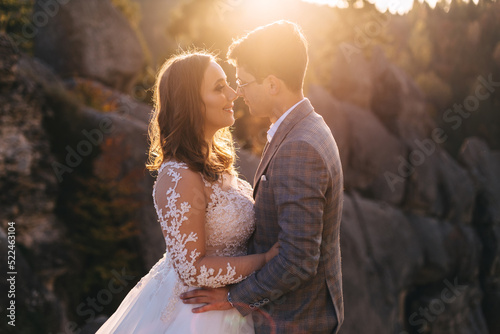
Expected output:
(298, 191)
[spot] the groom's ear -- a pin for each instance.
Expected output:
(273, 84)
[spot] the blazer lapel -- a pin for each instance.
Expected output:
(295, 116)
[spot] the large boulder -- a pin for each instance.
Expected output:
(28, 196)
(351, 80)
(397, 101)
(380, 258)
(88, 38)
(392, 147)
(105, 201)
(29, 189)
(483, 165)
(391, 155)
(397, 268)
(108, 99)
(385, 89)
(74, 182)
(9, 55)
(374, 156)
(437, 185)
(36, 307)
(120, 163)
(446, 292)
(369, 153)
(448, 250)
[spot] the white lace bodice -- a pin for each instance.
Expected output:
(229, 222)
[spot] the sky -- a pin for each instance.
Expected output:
(394, 6)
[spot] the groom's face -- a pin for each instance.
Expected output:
(253, 93)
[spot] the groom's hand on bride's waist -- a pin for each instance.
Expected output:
(214, 298)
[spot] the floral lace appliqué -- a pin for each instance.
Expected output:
(229, 224)
(230, 218)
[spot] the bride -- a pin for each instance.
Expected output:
(205, 210)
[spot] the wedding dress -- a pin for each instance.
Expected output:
(153, 305)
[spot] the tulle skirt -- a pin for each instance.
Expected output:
(154, 306)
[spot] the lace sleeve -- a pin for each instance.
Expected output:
(180, 203)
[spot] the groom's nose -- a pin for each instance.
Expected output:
(239, 91)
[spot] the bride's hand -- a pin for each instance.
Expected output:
(272, 252)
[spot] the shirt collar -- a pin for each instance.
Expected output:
(274, 127)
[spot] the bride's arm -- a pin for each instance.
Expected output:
(181, 203)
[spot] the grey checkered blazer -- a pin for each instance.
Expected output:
(298, 191)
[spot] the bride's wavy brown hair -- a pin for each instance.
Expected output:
(176, 128)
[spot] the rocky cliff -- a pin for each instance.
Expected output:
(420, 229)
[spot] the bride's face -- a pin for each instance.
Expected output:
(218, 98)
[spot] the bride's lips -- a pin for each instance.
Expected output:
(229, 109)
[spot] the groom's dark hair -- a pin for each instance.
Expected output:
(279, 48)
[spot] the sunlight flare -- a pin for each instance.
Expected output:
(393, 6)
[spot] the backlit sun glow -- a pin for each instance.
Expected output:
(393, 6)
